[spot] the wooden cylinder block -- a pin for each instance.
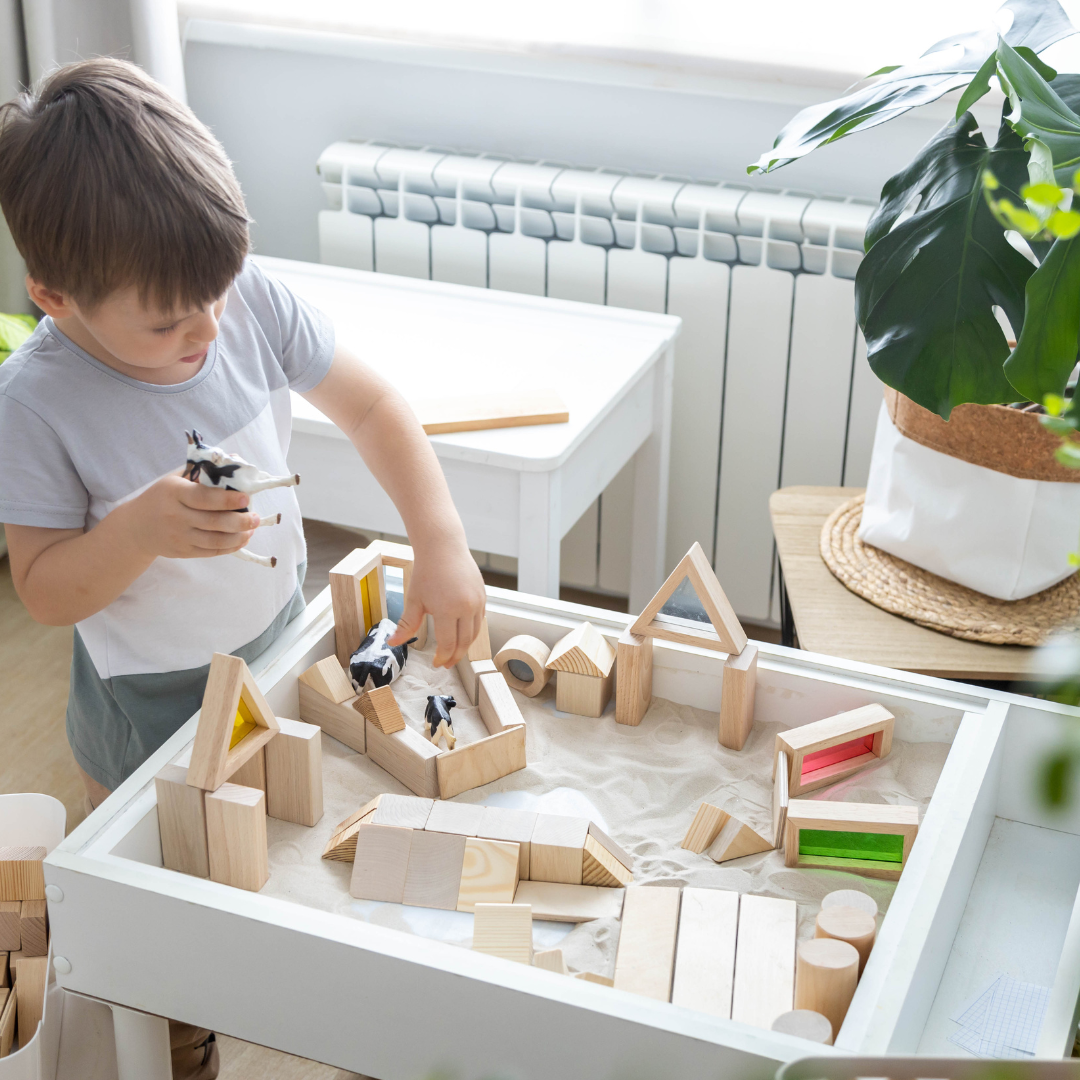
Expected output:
(520, 655)
(805, 1024)
(826, 974)
(851, 898)
(851, 925)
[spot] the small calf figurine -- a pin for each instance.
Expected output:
(437, 715)
(212, 466)
(377, 661)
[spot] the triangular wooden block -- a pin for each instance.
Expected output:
(380, 707)
(341, 847)
(736, 840)
(724, 635)
(327, 678)
(707, 823)
(600, 867)
(583, 651)
(234, 724)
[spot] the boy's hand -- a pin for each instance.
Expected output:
(178, 519)
(447, 586)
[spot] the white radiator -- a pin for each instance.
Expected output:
(771, 383)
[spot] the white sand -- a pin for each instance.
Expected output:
(641, 785)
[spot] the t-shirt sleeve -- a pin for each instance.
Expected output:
(39, 484)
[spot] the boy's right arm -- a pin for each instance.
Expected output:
(65, 575)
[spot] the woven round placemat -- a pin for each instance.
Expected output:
(899, 587)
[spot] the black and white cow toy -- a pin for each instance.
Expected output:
(214, 467)
(437, 715)
(375, 661)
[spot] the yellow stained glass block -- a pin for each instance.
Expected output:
(243, 725)
(365, 600)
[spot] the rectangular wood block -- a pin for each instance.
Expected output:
(35, 930)
(633, 678)
(294, 779)
(10, 928)
(481, 762)
(403, 811)
(737, 697)
(489, 873)
(31, 974)
(21, 873)
(346, 598)
(558, 848)
(503, 930)
(583, 695)
(236, 836)
(340, 721)
(570, 903)
(764, 984)
(498, 709)
(705, 954)
(433, 878)
(253, 772)
(407, 756)
(513, 825)
(454, 817)
(7, 1022)
(328, 678)
(381, 864)
(469, 672)
(646, 956)
(4, 981)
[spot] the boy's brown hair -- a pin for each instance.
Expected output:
(107, 181)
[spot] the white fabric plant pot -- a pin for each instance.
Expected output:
(997, 534)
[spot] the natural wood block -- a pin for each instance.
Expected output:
(347, 594)
(498, 709)
(600, 867)
(328, 678)
(605, 841)
(407, 756)
(736, 840)
(455, 817)
(512, 825)
(7, 1022)
(10, 928)
(503, 930)
(584, 651)
(489, 873)
(403, 811)
(253, 772)
(764, 960)
(828, 750)
(236, 836)
(558, 847)
(21, 873)
(646, 956)
(294, 778)
(31, 975)
(705, 955)
(4, 981)
(493, 409)
(551, 960)
(570, 903)
(480, 649)
(779, 798)
(341, 847)
(805, 1024)
(469, 672)
(826, 974)
(380, 707)
(433, 878)
(479, 763)
(593, 977)
(341, 721)
(583, 695)
(34, 921)
(401, 556)
(633, 678)
(527, 654)
(704, 829)
(737, 697)
(850, 924)
(851, 898)
(381, 864)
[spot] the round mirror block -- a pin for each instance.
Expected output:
(851, 898)
(523, 663)
(805, 1024)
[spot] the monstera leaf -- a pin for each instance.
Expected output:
(948, 65)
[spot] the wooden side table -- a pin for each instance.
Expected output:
(833, 620)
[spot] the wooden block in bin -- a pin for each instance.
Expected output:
(558, 849)
(736, 840)
(10, 928)
(633, 678)
(503, 930)
(600, 867)
(380, 707)
(516, 826)
(764, 960)
(253, 772)
(705, 955)
(236, 836)
(7, 1022)
(454, 817)
(294, 780)
(645, 959)
(469, 671)
(348, 585)
(826, 974)
(381, 864)
(583, 695)
(407, 756)
(433, 876)
(498, 709)
(489, 873)
(31, 975)
(737, 698)
(341, 721)
(479, 763)
(403, 811)
(704, 829)
(21, 873)
(570, 903)
(34, 921)
(551, 960)
(4, 981)
(341, 847)
(327, 677)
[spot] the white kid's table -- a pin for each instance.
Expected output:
(518, 490)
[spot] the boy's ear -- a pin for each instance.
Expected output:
(50, 301)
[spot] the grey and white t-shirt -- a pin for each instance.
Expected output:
(77, 439)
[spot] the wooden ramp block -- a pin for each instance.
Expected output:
(764, 960)
(570, 903)
(489, 873)
(479, 763)
(633, 678)
(31, 975)
(737, 698)
(294, 778)
(434, 872)
(407, 756)
(503, 930)
(646, 957)
(600, 867)
(341, 847)
(605, 841)
(826, 974)
(515, 826)
(704, 829)
(381, 864)
(34, 921)
(558, 849)
(403, 811)
(7, 1020)
(340, 720)
(498, 709)
(21, 873)
(736, 840)
(10, 928)
(705, 956)
(327, 677)
(469, 672)
(551, 960)
(455, 817)
(380, 707)
(236, 836)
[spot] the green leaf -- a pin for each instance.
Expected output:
(1045, 70)
(1063, 224)
(14, 330)
(1057, 425)
(1045, 194)
(979, 86)
(1068, 454)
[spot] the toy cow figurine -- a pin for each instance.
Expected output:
(212, 466)
(437, 715)
(375, 660)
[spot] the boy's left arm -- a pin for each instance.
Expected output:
(446, 582)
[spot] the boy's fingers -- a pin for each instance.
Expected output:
(227, 522)
(200, 497)
(408, 624)
(465, 638)
(220, 541)
(445, 640)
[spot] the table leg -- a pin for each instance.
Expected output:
(142, 1045)
(538, 533)
(787, 618)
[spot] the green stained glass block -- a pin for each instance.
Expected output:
(880, 847)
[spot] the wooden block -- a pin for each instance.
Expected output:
(253, 772)
(434, 872)
(600, 867)
(705, 955)
(493, 409)
(403, 811)
(605, 841)
(523, 663)
(551, 960)
(764, 960)
(805, 1024)
(584, 651)
(34, 921)
(21, 873)
(380, 707)
(4, 981)
(850, 924)
(10, 928)
(779, 798)
(828, 750)
(7, 1023)
(328, 678)
(236, 836)
(633, 678)
(489, 873)
(851, 898)
(401, 556)
(480, 649)
(503, 930)
(736, 840)
(646, 957)
(570, 903)
(558, 848)
(341, 847)
(381, 864)
(826, 974)
(407, 756)
(294, 778)
(469, 672)
(737, 698)
(866, 838)
(515, 826)
(498, 709)
(455, 817)
(341, 721)
(593, 977)
(479, 763)
(704, 829)
(31, 975)
(583, 695)
(346, 597)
